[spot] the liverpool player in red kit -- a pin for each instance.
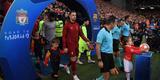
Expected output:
(71, 33)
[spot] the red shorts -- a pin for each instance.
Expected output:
(73, 52)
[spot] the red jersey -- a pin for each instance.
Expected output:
(70, 38)
(129, 51)
(35, 28)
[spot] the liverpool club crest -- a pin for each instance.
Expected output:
(21, 17)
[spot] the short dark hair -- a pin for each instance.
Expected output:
(126, 39)
(119, 20)
(55, 40)
(72, 12)
(110, 20)
(85, 19)
(51, 16)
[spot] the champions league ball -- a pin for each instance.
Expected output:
(145, 47)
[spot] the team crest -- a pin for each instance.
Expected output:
(21, 17)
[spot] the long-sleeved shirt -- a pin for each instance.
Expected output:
(84, 30)
(129, 51)
(71, 33)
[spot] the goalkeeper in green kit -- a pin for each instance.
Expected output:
(83, 45)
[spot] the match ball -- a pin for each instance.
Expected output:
(145, 47)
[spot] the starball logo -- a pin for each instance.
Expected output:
(21, 17)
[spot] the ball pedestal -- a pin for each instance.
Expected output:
(143, 66)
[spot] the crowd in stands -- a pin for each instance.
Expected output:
(106, 9)
(147, 24)
(4, 6)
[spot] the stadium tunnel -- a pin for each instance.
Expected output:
(15, 35)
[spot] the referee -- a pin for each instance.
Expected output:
(104, 49)
(116, 42)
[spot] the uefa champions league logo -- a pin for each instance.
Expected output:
(21, 17)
